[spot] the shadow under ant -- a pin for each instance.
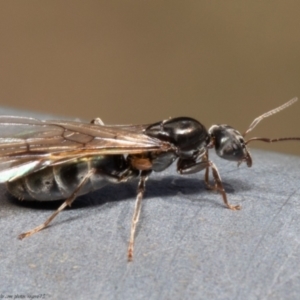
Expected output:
(168, 186)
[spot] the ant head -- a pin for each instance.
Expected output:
(230, 144)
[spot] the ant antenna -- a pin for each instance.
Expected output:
(268, 114)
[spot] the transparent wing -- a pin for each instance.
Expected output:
(28, 145)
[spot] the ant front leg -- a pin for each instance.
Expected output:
(219, 186)
(206, 180)
(206, 176)
(190, 166)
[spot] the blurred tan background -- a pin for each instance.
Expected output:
(143, 61)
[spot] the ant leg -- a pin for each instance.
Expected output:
(206, 176)
(137, 210)
(206, 180)
(219, 186)
(68, 202)
(189, 167)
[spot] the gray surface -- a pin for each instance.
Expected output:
(188, 246)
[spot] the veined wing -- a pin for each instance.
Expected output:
(28, 145)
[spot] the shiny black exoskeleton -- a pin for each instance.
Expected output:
(153, 148)
(229, 144)
(190, 139)
(187, 134)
